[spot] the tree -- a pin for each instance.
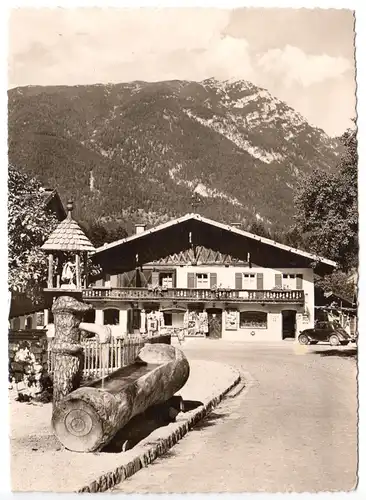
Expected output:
(258, 228)
(99, 234)
(29, 225)
(337, 282)
(326, 209)
(96, 233)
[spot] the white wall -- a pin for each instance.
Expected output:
(226, 278)
(308, 287)
(273, 332)
(117, 330)
(226, 275)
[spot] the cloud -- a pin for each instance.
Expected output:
(329, 31)
(76, 46)
(296, 67)
(85, 46)
(135, 44)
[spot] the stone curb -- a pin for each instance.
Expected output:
(150, 449)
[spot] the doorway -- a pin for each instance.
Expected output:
(288, 324)
(214, 317)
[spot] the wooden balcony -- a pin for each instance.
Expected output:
(194, 295)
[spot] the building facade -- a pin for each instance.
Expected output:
(199, 277)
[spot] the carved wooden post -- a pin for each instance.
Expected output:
(77, 269)
(67, 350)
(86, 270)
(50, 271)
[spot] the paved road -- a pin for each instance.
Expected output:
(294, 428)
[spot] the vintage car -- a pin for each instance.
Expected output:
(325, 331)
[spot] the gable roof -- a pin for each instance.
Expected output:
(53, 201)
(173, 236)
(323, 297)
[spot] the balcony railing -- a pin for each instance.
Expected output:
(194, 295)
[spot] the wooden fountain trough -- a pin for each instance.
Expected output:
(88, 418)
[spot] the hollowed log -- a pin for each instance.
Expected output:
(88, 418)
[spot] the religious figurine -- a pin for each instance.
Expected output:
(68, 272)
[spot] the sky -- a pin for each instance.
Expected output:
(304, 57)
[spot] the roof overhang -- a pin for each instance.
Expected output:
(179, 234)
(53, 202)
(323, 298)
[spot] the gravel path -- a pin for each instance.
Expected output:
(39, 464)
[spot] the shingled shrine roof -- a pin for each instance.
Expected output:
(68, 236)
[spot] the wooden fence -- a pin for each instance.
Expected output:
(102, 359)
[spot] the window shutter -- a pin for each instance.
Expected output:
(299, 282)
(259, 281)
(155, 278)
(191, 280)
(174, 278)
(119, 280)
(129, 320)
(136, 321)
(213, 279)
(278, 279)
(114, 280)
(238, 281)
(129, 279)
(125, 280)
(147, 274)
(99, 283)
(143, 280)
(138, 279)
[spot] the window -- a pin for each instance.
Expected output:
(321, 326)
(166, 280)
(28, 323)
(202, 280)
(89, 316)
(249, 281)
(168, 319)
(111, 317)
(292, 281)
(40, 319)
(15, 323)
(107, 281)
(253, 319)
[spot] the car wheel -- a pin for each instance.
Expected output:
(303, 339)
(334, 340)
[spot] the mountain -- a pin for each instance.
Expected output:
(150, 151)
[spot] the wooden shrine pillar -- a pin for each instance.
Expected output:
(66, 347)
(77, 269)
(50, 271)
(86, 270)
(45, 317)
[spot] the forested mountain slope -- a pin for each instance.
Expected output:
(139, 151)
